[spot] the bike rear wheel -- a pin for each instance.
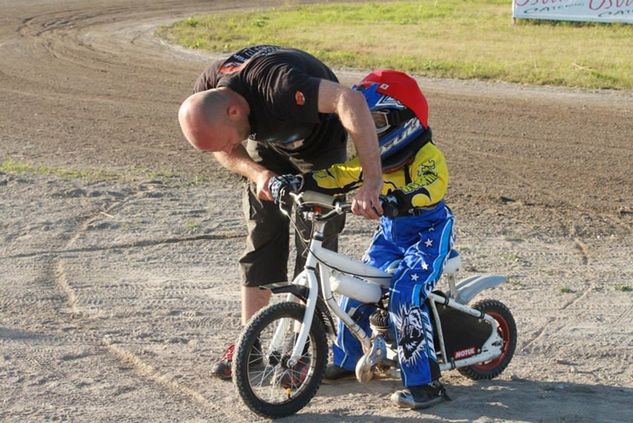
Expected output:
(507, 331)
(265, 382)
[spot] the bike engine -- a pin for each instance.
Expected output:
(379, 322)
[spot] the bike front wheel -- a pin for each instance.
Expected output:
(264, 380)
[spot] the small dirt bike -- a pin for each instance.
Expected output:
(282, 353)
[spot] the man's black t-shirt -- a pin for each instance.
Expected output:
(281, 87)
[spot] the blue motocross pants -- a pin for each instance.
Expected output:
(421, 244)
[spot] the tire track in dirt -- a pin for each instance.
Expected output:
(510, 172)
(148, 372)
(494, 160)
(98, 89)
(541, 331)
(141, 367)
(60, 268)
(583, 249)
(128, 245)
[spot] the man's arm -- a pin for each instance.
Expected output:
(352, 110)
(238, 161)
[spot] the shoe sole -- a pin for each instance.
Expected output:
(348, 377)
(345, 376)
(419, 406)
(222, 377)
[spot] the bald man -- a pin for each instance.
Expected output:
(295, 117)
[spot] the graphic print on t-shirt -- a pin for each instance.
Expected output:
(238, 60)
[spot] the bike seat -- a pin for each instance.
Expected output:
(453, 262)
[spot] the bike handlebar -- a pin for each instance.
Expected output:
(311, 200)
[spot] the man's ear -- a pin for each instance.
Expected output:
(233, 112)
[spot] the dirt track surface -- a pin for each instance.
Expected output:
(118, 292)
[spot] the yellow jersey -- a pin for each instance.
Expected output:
(422, 183)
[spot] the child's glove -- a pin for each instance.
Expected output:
(393, 204)
(281, 186)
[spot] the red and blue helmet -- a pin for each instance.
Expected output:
(399, 109)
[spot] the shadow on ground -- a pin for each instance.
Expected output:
(517, 399)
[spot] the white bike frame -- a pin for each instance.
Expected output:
(328, 261)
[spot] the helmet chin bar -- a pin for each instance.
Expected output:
(401, 136)
(397, 158)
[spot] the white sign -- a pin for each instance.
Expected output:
(574, 10)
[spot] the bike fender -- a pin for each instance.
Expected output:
(285, 287)
(469, 287)
(301, 292)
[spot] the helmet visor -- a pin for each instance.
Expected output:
(386, 119)
(381, 121)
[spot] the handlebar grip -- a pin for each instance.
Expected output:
(389, 208)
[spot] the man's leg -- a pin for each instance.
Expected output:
(253, 300)
(264, 261)
(265, 258)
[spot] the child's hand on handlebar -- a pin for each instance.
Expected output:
(390, 206)
(393, 204)
(366, 200)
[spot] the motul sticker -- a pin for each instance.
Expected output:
(468, 352)
(300, 98)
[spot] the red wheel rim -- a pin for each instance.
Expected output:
(504, 333)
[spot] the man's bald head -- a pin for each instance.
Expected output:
(209, 119)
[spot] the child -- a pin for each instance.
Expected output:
(416, 229)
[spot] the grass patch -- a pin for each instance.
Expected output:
(624, 288)
(567, 290)
(21, 167)
(448, 38)
(192, 226)
(18, 167)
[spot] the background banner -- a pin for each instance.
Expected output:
(574, 10)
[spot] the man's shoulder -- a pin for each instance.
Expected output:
(238, 60)
(291, 60)
(209, 77)
(224, 67)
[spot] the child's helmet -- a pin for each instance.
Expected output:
(400, 113)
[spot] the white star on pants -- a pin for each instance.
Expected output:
(414, 277)
(428, 242)
(425, 266)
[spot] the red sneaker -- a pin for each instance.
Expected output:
(222, 368)
(293, 377)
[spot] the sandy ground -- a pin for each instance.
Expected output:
(119, 289)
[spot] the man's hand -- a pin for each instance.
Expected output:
(261, 181)
(281, 186)
(366, 201)
(238, 161)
